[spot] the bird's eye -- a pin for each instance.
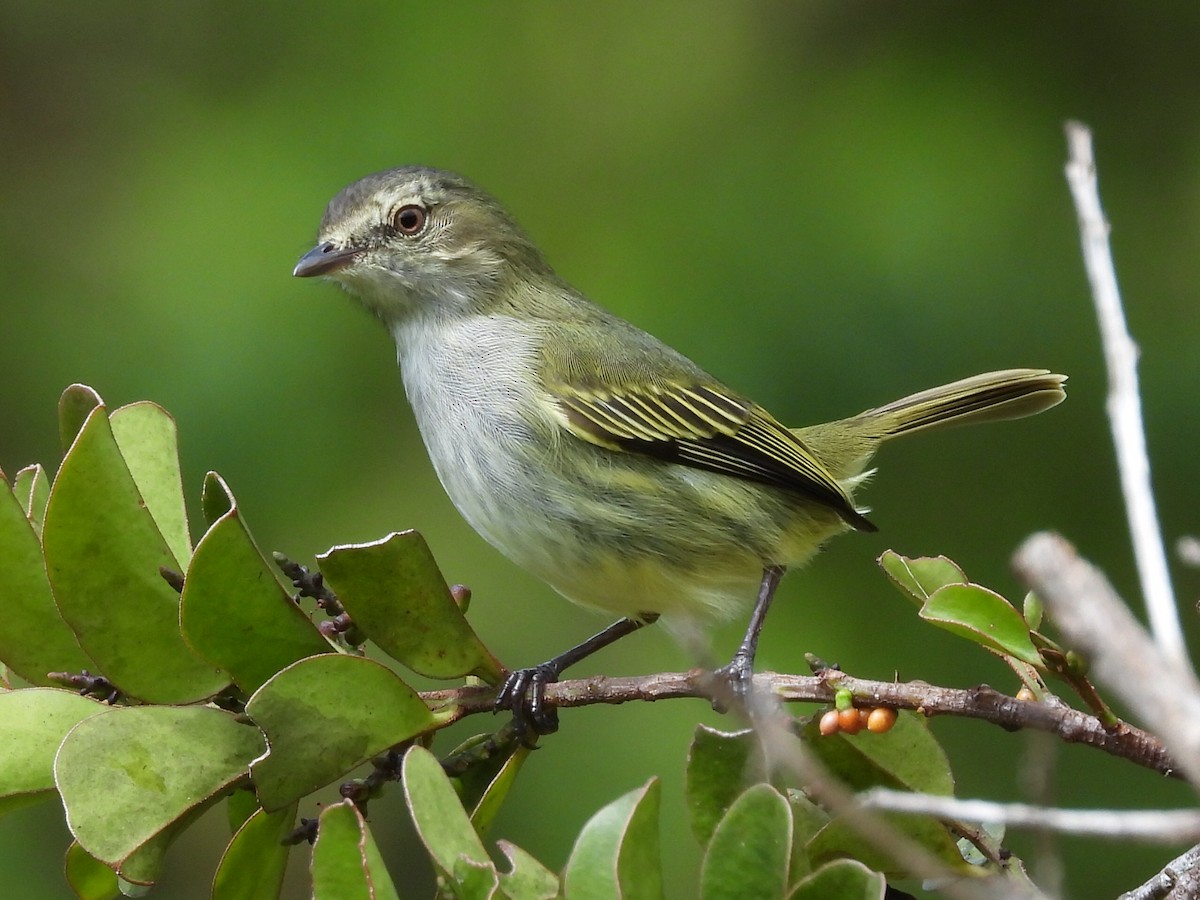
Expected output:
(410, 220)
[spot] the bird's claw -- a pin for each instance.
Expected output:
(523, 693)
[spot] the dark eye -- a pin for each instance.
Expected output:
(410, 219)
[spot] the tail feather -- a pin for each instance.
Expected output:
(991, 397)
(846, 446)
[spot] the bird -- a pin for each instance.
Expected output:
(589, 452)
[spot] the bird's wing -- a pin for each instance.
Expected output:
(684, 417)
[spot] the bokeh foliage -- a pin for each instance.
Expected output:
(828, 204)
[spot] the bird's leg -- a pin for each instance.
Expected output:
(524, 690)
(738, 674)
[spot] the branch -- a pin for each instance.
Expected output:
(1178, 873)
(1170, 826)
(1095, 620)
(827, 791)
(1124, 404)
(1069, 725)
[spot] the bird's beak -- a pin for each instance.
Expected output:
(323, 259)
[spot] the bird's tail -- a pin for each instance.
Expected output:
(991, 397)
(847, 445)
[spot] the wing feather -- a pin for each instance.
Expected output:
(702, 426)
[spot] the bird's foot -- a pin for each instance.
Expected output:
(733, 683)
(523, 693)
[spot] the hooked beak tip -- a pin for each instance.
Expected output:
(323, 259)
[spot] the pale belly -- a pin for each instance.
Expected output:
(618, 532)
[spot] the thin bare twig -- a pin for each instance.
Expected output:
(1162, 689)
(1166, 880)
(1037, 777)
(787, 752)
(1124, 402)
(1170, 826)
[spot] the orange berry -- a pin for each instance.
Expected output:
(881, 719)
(850, 721)
(829, 723)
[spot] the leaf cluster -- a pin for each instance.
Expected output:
(202, 680)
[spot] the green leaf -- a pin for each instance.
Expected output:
(949, 601)
(750, 850)
(971, 853)
(720, 766)
(617, 854)
(807, 820)
(844, 879)
(235, 613)
(254, 863)
(527, 879)
(149, 442)
(137, 873)
(838, 839)
(13, 802)
(239, 807)
(128, 774)
(32, 488)
(395, 593)
(920, 577)
(89, 878)
(103, 554)
(34, 640)
(1033, 610)
(74, 407)
(215, 498)
(441, 821)
(35, 722)
(906, 758)
(325, 715)
(487, 802)
(982, 616)
(345, 860)
(473, 880)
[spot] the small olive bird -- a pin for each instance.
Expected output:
(589, 452)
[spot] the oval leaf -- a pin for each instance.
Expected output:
(215, 498)
(74, 407)
(439, 817)
(236, 615)
(325, 715)
(906, 758)
(617, 854)
(254, 863)
(919, 577)
(984, 617)
(137, 873)
(35, 722)
(527, 879)
(720, 766)
(128, 774)
(845, 879)
(149, 442)
(103, 554)
(839, 840)
(89, 878)
(488, 801)
(345, 860)
(750, 851)
(394, 592)
(34, 640)
(32, 489)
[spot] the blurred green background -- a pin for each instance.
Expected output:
(827, 204)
